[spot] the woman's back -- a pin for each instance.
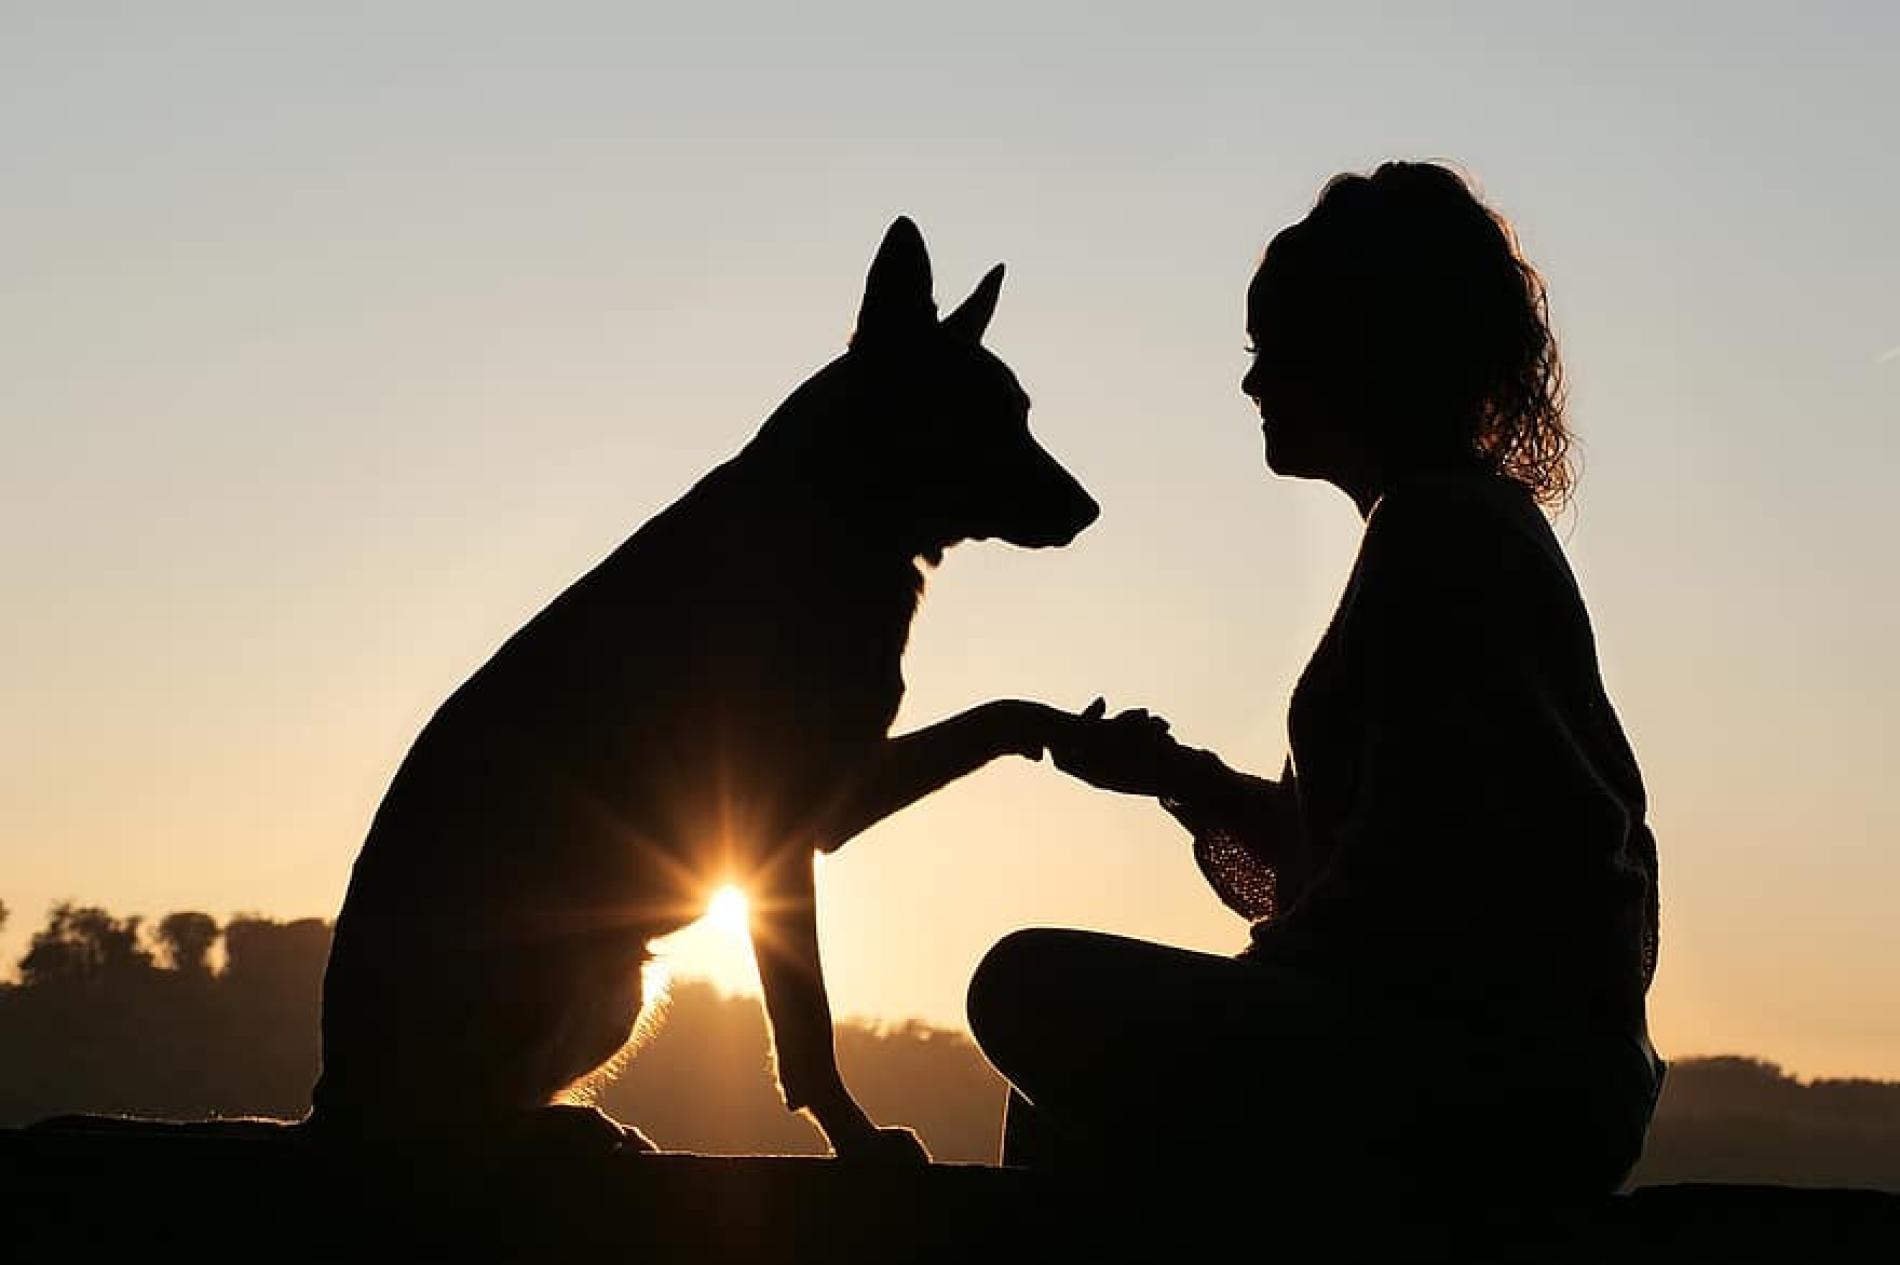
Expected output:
(1475, 815)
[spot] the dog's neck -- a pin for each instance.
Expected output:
(792, 466)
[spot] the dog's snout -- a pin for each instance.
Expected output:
(1073, 509)
(1084, 510)
(1042, 505)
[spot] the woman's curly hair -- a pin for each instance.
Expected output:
(1426, 298)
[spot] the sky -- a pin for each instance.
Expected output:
(337, 339)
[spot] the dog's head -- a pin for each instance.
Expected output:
(934, 440)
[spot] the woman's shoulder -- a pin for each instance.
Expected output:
(1456, 499)
(1460, 530)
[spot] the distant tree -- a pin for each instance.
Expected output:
(84, 944)
(261, 952)
(271, 990)
(186, 938)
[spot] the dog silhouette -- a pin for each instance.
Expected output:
(711, 703)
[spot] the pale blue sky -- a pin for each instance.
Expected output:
(337, 338)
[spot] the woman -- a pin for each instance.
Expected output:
(1452, 886)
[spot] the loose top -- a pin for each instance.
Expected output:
(1472, 815)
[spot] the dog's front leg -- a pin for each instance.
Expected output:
(785, 943)
(906, 768)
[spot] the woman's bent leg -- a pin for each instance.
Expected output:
(1129, 1049)
(1026, 1142)
(1128, 1054)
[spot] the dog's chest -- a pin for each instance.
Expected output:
(842, 654)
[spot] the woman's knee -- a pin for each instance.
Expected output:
(995, 990)
(1012, 992)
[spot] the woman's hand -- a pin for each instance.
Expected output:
(1131, 753)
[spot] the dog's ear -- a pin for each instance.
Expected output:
(972, 316)
(897, 302)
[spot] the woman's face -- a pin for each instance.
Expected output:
(1305, 415)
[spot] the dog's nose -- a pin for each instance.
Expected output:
(1082, 511)
(1087, 512)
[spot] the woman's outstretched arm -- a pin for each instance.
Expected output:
(1247, 834)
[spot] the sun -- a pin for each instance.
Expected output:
(727, 910)
(716, 946)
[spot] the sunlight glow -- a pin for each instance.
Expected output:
(728, 911)
(716, 947)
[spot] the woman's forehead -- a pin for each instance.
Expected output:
(1268, 298)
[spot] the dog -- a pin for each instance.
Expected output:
(711, 703)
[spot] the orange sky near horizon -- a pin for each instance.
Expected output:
(339, 341)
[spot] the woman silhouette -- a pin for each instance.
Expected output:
(1452, 887)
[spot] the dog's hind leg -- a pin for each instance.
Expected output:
(604, 1020)
(481, 1048)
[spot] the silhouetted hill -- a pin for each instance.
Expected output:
(704, 1083)
(111, 1016)
(1742, 1120)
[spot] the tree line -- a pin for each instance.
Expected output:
(189, 1017)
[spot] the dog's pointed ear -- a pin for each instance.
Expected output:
(972, 316)
(897, 300)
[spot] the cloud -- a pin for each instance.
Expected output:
(1892, 353)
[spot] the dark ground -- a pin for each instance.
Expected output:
(81, 1196)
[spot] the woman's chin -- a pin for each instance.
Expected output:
(1285, 461)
